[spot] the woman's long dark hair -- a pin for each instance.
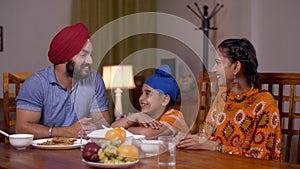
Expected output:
(243, 51)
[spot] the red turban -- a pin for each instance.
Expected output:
(67, 43)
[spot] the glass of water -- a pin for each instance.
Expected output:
(86, 128)
(167, 151)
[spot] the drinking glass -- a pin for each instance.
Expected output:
(84, 131)
(167, 151)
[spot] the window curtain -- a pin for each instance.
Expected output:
(97, 15)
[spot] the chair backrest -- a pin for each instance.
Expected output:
(208, 88)
(11, 85)
(285, 87)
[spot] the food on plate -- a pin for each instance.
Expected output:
(128, 151)
(116, 133)
(59, 141)
(90, 152)
(64, 140)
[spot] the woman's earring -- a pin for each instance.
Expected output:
(235, 80)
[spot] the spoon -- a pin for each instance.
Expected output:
(4, 133)
(104, 126)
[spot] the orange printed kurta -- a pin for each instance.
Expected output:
(247, 124)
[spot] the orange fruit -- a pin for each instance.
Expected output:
(116, 133)
(128, 151)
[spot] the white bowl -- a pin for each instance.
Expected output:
(150, 147)
(20, 141)
(137, 140)
(98, 135)
(141, 137)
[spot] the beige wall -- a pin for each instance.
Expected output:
(275, 33)
(272, 25)
(29, 27)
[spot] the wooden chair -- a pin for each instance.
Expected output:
(285, 87)
(11, 85)
(208, 88)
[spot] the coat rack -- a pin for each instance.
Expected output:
(205, 18)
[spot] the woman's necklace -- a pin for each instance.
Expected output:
(241, 97)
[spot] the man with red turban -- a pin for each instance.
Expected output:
(64, 98)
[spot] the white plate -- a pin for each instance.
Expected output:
(98, 135)
(103, 165)
(101, 133)
(35, 143)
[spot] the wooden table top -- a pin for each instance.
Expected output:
(192, 159)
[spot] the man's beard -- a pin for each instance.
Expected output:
(72, 72)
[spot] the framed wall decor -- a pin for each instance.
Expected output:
(1, 38)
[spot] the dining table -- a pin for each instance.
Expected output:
(32, 158)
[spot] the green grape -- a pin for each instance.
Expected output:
(116, 142)
(108, 153)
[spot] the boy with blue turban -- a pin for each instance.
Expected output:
(155, 119)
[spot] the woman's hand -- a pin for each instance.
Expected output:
(145, 120)
(191, 141)
(197, 142)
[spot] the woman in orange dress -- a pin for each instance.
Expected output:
(244, 118)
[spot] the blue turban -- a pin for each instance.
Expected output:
(163, 82)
